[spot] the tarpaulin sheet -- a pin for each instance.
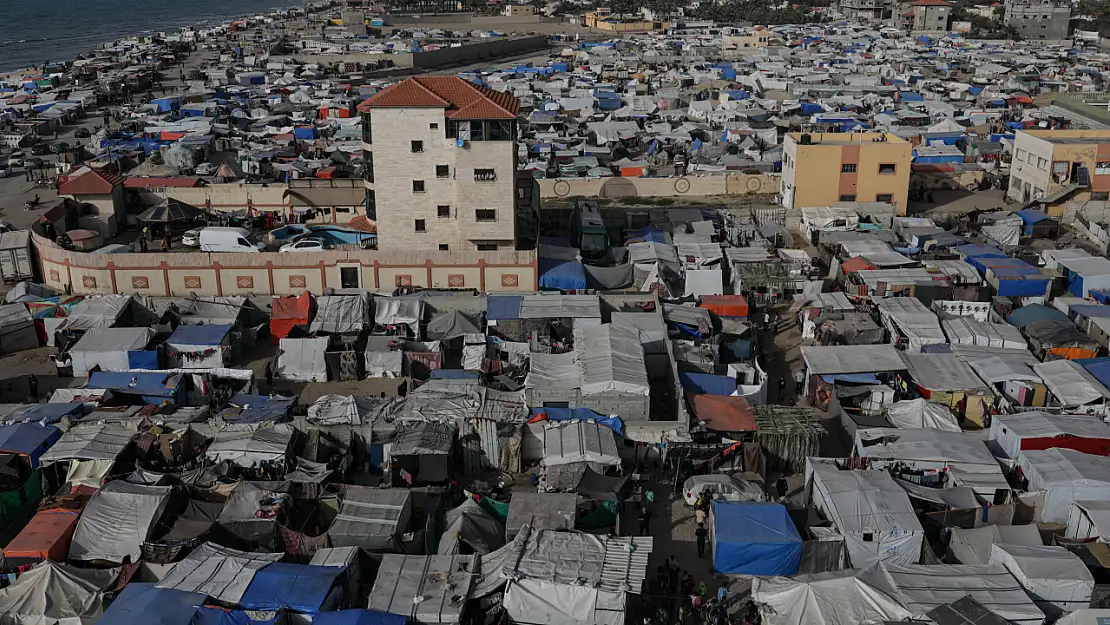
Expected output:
(287, 312)
(1066, 476)
(725, 305)
(303, 359)
(707, 383)
(921, 413)
(754, 539)
(28, 439)
(834, 598)
(612, 360)
(851, 378)
(973, 545)
(206, 335)
(561, 274)
(153, 388)
(142, 603)
(302, 588)
(1054, 576)
(580, 414)
(55, 594)
(943, 372)
(371, 518)
(440, 580)
(452, 324)
(96, 312)
(503, 307)
(579, 441)
(399, 311)
(835, 359)
(99, 441)
(217, 571)
(117, 521)
(340, 314)
(358, 617)
(469, 523)
(249, 445)
(209, 615)
(608, 278)
(45, 537)
(108, 348)
(724, 413)
(1070, 383)
(1034, 312)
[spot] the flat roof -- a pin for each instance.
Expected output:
(1071, 137)
(845, 138)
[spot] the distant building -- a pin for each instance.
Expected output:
(1054, 166)
(870, 11)
(518, 10)
(741, 38)
(1039, 19)
(819, 169)
(441, 165)
(926, 16)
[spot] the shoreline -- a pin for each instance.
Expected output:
(17, 75)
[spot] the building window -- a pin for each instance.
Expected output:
(433, 126)
(1019, 156)
(417, 186)
(420, 226)
(485, 215)
(888, 168)
(1102, 169)
(417, 146)
(485, 175)
(443, 171)
(443, 211)
(486, 247)
(1041, 163)
(885, 197)
(443, 247)
(1100, 196)
(848, 168)
(848, 197)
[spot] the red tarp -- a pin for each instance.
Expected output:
(858, 263)
(287, 312)
(724, 413)
(1092, 446)
(725, 305)
(47, 536)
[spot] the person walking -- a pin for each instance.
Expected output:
(645, 528)
(722, 593)
(33, 387)
(166, 243)
(702, 534)
(782, 389)
(799, 382)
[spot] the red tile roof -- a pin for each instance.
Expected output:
(146, 183)
(929, 3)
(92, 182)
(461, 99)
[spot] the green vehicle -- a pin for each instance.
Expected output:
(590, 235)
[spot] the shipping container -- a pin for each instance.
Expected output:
(15, 256)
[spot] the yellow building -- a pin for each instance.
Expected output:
(819, 169)
(604, 19)
(1052, 167)
(741, 38)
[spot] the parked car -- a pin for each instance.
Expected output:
(5, 171)
(32, 163)
(721, 486)
(82, 133)
(15, 159)
(60, 147)
(205, 169)
(307, 244)
(191, 237)
(222, 239)
(40, 149)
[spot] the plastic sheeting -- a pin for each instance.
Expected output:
(470, 524)
(452, 324)
(28, 439)
(540, 511)
(579, 441)
(920, 413)
(943, 372)
(1066, 476)
(384, 364)
(302, 360)
(55, 594)
(352, 410)
(836, 598)
(144, 604)
(612, 360)
(341, 314)
(96, 312)
(973, 545)
(219, 572)
(301, 588)
(1041, 430)
(371, 518)
(754, 539)
(871, 511)
(98, 441)
(1056, 578)
(108, 348)
(117, 521)
(912, 319)
(439, 580)
(1070, 383)
(250, 445)
(399, 311)
(554, 372)
(831, 359)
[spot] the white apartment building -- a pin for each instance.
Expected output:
(441, 165)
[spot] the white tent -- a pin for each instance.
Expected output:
(1056, 578)
(52, 593)
(17, 329)
(219, 572)
(921, 413)
(1010, 431)
(973, 545)
(966, 331)
(910, 318)
(920, 588)
(836, 598)
(399, 311)
(1089, 519)
(97, 312)
(1085, 616)
(568, 442)
(117, 521)
(1071, 384)
(93, 441)
(250, 445)
(870, 510)
(384, 364)
(966, 457)
(340, 314)
(612, 360)
(302, 360)
(108, 348)
(1065, 476)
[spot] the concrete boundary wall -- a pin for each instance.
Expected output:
(692, 186)
(272, 273)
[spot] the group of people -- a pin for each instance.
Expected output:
(695, 605)
(144, 241)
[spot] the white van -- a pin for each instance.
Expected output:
(229, 240)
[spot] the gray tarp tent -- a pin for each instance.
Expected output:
(371, 518)
(117, 521)
(17, 329)
(541, 511)
(341, 314)
(250, 445)
(440, 581)
(219, 572)
(452, 324)
(52, 593)
(469, 524)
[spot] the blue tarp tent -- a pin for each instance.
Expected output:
(561, 274)
(503, 307)
(358, 617)
(910, 96)
(306, 133)
(811, 108)
(207, 334)
(581, 414)
(257, 409)
(851, 378)
(1030, 216)
(974, 250)
(1097, 367)
(154, 388)
(707, 383)
(140, 603)
(298, 587)
(218, 616)
(52, 413)
(1034, 312)
(455, 374)
(1090, 310)
(754, 539)
(1015, 282)
(28, 439)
